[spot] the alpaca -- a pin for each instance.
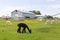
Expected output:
(24, 26)
(8, 22)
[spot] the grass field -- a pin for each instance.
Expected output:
(40, 30)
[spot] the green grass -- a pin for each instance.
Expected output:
(40, 30)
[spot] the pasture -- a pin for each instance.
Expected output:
(40, 30)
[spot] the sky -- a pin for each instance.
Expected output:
(46, 7)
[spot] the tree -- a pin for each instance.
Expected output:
(36, 12)
(48, 17)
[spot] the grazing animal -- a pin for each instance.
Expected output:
(49, 20)
(24, 26)
(8, 22)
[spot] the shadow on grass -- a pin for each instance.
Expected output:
(44, 30)
(5, 38)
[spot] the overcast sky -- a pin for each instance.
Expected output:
(46, 7)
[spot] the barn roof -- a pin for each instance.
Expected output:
(22, 11)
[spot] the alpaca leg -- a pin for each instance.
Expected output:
(23, 31)
(19, 30)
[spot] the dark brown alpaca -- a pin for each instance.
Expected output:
(24, 26)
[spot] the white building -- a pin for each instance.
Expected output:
(40, 17)
(19, 15)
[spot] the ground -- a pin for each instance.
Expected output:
(40, 30)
